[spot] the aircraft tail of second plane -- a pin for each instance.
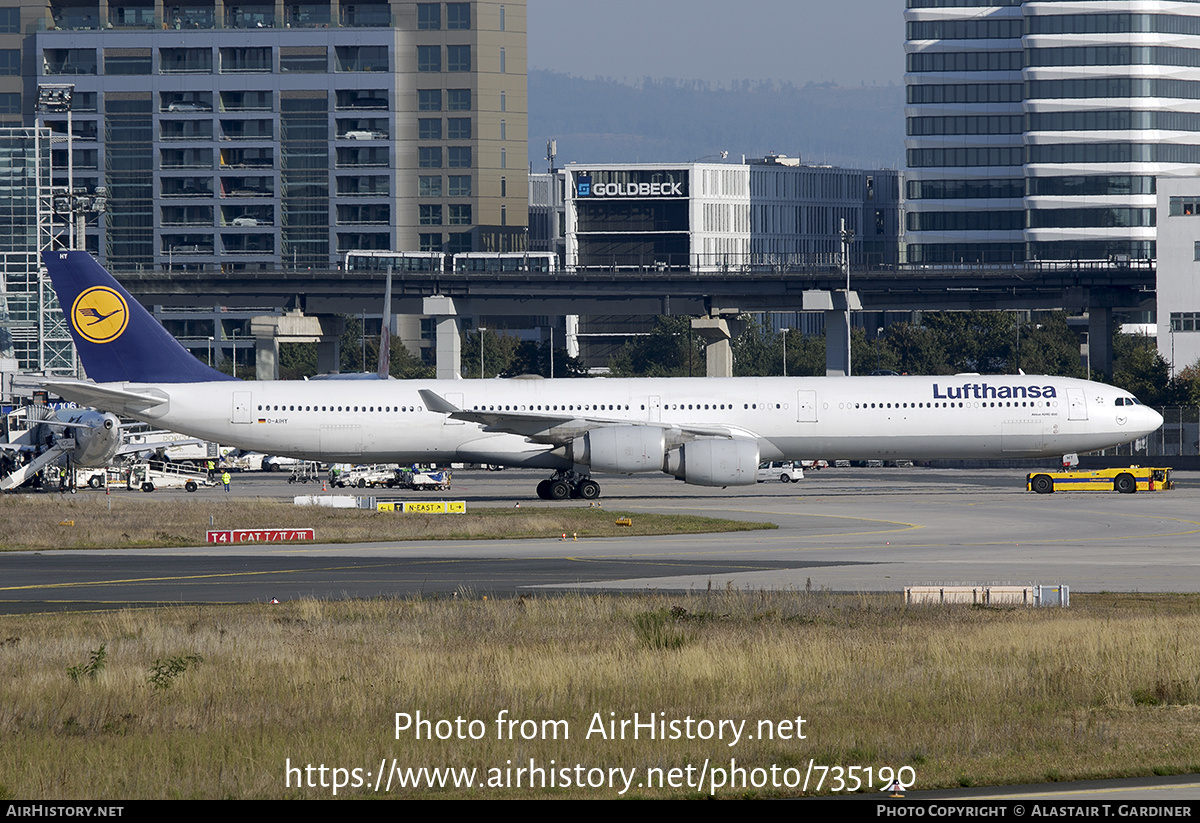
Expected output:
(117, 339)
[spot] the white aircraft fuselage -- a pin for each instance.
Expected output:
(974, 416)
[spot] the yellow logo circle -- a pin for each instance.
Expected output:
(100, 314)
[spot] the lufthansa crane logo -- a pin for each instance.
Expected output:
(100, 314)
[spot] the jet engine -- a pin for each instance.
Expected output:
(97, 438)
(622, 449)
(715, 462)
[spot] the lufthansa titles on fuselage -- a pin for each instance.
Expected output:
(983, 391)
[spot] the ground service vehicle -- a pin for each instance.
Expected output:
(423, 479)
(372, 475)
(784, 470)
(1125, 480)
(147, 477)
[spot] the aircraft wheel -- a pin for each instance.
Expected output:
(1043, 484)
(147, 486)
(1125, 484)
(190, 486)
(589, 490)
(543, 490)
(559, 489)
(96, 481)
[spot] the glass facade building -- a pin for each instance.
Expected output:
(263, 136)
(1036, 130)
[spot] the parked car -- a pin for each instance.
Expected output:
(272, 463)
(783, 470)
(186, 105)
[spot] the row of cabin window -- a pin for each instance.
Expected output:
(269, 408)
(958, 405)
(619, 407)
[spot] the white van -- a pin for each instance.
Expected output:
(783, 470)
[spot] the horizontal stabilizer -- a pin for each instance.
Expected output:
(104, 397)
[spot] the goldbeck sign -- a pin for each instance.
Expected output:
(586, 187)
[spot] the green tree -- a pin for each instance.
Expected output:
(1048, 346)
(670, 350)
(1141, 370)
(975, 341)
(402, 364)
(1186, 385)
(533, 357)
(499, 353)
(757, 351)
(913, 349)
(297, 360)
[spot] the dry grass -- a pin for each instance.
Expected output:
(94, 521)
(964, 696)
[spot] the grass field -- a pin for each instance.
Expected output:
(217, 702)
(89, 521)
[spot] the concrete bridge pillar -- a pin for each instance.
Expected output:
(1100, 335)
(449, 345)
(294, 327)
(718, 330)
(837, 306)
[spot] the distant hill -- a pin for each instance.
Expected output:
(603, 120)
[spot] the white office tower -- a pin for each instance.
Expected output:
(1036, 129)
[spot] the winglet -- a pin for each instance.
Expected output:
(117, 339)
(436, 403)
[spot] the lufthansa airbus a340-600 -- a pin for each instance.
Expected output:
(705, 431)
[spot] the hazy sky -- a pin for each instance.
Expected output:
(848, 41)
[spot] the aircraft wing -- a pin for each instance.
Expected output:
(554, 428)
(105, 397)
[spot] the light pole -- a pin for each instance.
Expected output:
(210, 342)
(847, 238)
(482, 329)
(234, 352)
(784, 333)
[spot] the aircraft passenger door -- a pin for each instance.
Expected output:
(1077, 405)
(455, 398)
(806, 407)
(241, 407)
(654, 408)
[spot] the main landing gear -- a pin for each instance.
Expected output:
(568, 484)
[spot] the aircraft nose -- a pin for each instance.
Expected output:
(1153, 420)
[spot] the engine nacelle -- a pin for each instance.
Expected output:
(715, 462)
(97, 440)
(623, 449)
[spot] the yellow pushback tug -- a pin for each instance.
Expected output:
(1125, 480)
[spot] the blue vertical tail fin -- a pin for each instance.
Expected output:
(117, 339)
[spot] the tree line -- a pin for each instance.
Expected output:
(941, 343)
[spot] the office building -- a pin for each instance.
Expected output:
(1178, 272)
(773, 211)
(1036, 130)
(260, 135)
(766, 213)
